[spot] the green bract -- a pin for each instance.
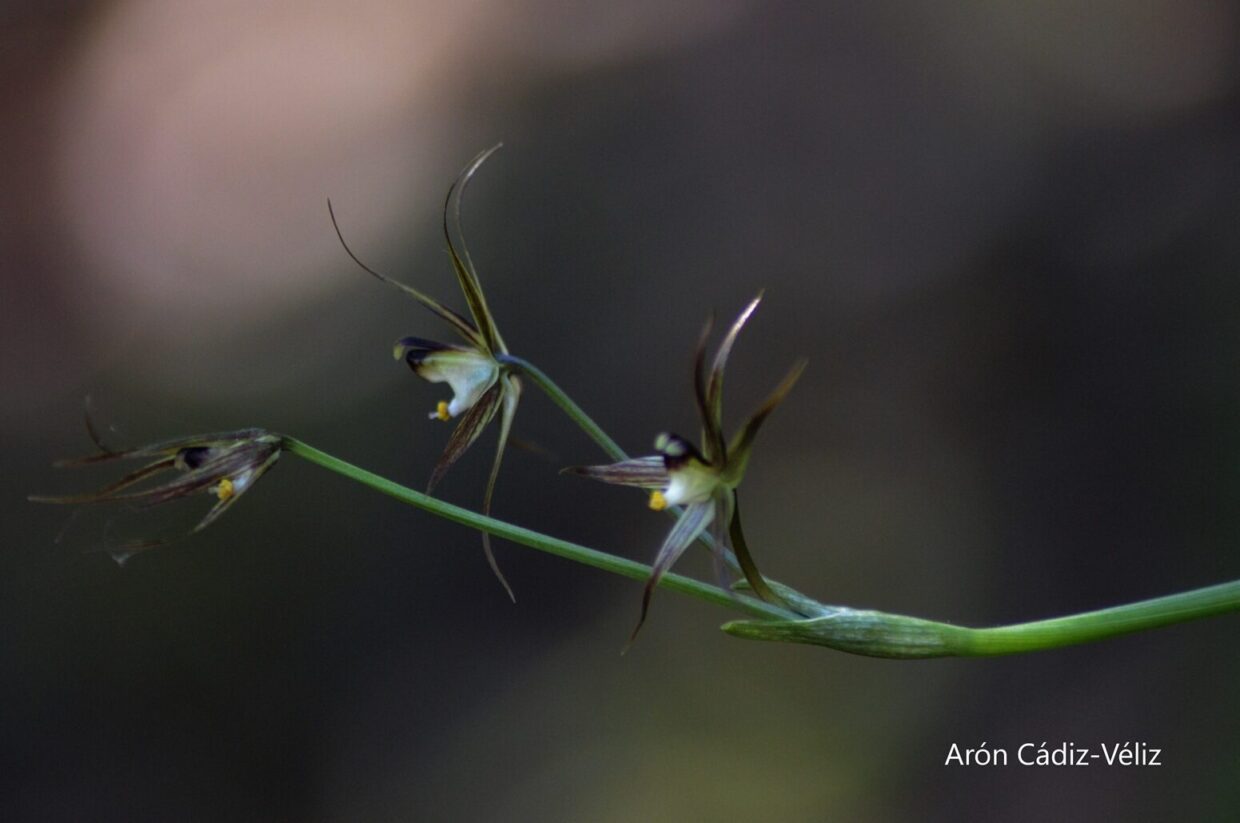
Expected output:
(703, 481)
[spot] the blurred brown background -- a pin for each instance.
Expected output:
(1004, 234)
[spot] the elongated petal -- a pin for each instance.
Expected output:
(211, 469)
(721, 554)
(110, 491)
(463, 326)
(714, 385)
(642, 472)
(740, 547)
(688, 527)
(461, 261)
(467, 431)
(712, 436)
(166, 447)
(742, 443)
(511, 396)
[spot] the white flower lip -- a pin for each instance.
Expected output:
(690, 483)
(469, 373)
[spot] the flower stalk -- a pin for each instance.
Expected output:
(697, 484)
(804, 620)
(206, 461)
(533, 539)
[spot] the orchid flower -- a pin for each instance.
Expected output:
(481, 384)
(703, 480)
(224, 465)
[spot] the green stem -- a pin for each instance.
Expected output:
(1104, 623)
(566, 404)
(878, 634)
(870, 633)
(865, 632)
(533, 539)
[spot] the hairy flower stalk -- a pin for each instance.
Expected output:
(224, 465)
(481, 380)
(703, 481)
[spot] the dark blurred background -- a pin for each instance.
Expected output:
(1003, 234)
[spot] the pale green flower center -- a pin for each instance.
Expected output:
(691, 483)
(468, 373)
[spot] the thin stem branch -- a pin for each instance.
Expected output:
(566, 404)
(865, 632)
(535, 540)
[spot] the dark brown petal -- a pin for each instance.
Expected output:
(467, 431)
(109, 491)
(167, 447)
(463, 326)
(689, 526)
(740, 547)
(461, 262)
(742, 443)
(642, 472)
(714, 385)
(712, 435)
(511, 395)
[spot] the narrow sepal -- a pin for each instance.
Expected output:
(642, 472)
(110, 490)
(742, 443)
(461, 262)
(712, 436)
(740, 548)
(714, 384)
(463, 326)
(720, 547)
(511, 396)
(472, 423)
(689, 527)
(167, 447)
